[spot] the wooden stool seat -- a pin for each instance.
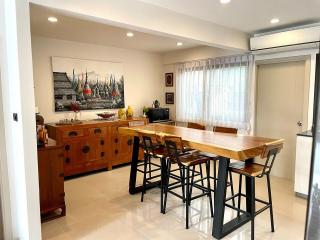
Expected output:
(196, 126)
(225, 130)
(247, 169)
(192, 160)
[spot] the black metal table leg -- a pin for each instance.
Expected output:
(220, 197)
(134, 166)
(133, 189)
(163, 178)
(249, 187)
(219, 229)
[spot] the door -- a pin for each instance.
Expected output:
(280, 108)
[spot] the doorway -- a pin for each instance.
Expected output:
(282, 108)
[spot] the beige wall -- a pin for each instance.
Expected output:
(142, 70)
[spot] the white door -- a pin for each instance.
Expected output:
(280, 103)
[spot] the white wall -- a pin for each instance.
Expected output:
(185, 55)
(142, 71)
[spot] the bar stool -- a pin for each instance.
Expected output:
(253, 170)
(187, 162)
(152, 149)
(213, 157)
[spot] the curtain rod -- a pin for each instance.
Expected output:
(206, 59)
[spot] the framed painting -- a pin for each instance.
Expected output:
(169, 98)
(89, 83)
(169, 79)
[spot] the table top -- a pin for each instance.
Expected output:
(234, 146)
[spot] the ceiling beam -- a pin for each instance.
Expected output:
(139, 16)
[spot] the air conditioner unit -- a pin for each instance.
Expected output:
(292, 38)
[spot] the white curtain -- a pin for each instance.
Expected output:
(215, 92)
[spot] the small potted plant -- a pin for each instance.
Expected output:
(145, 111)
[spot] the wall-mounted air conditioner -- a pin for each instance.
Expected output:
(307, 35)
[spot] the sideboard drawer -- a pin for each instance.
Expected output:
(73, 133)
(97, 131)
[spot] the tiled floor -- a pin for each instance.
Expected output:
(99, 207)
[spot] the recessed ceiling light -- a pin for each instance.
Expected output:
(274, 20)
(179, 44)
(224, 1)
(52, 19)
(130, 34)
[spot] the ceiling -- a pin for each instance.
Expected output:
(246, 15)
(75, 29)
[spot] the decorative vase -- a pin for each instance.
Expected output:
(122, 113)
(129, 112)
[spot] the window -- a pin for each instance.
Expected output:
(214, 92)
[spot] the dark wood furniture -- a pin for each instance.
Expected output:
(255, 170)
(196, 126)
(94, 145)
(51, 181)
(225, 130)
(227, 146)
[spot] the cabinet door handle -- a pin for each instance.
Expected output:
(116, 140)
(85, 149)
(116, 151)
(102, 142)
(97, 130)
(67, 160)
(129, 142)
(73, 134)
(102, 154)
(67, 147)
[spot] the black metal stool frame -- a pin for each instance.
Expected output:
(186, 181)
(270, 157)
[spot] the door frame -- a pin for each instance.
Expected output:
(19, 184)
(291, 56)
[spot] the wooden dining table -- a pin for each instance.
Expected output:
(226, 146)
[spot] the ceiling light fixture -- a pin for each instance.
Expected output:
(224, 1)
(52, 19)
(179, 44)
(130, 34)
(274, 20)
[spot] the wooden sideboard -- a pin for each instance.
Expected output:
(51, 181)
(93, 145)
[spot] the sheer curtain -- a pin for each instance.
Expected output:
(215, 91)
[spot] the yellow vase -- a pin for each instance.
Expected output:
(129, 112)
(122, 113)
